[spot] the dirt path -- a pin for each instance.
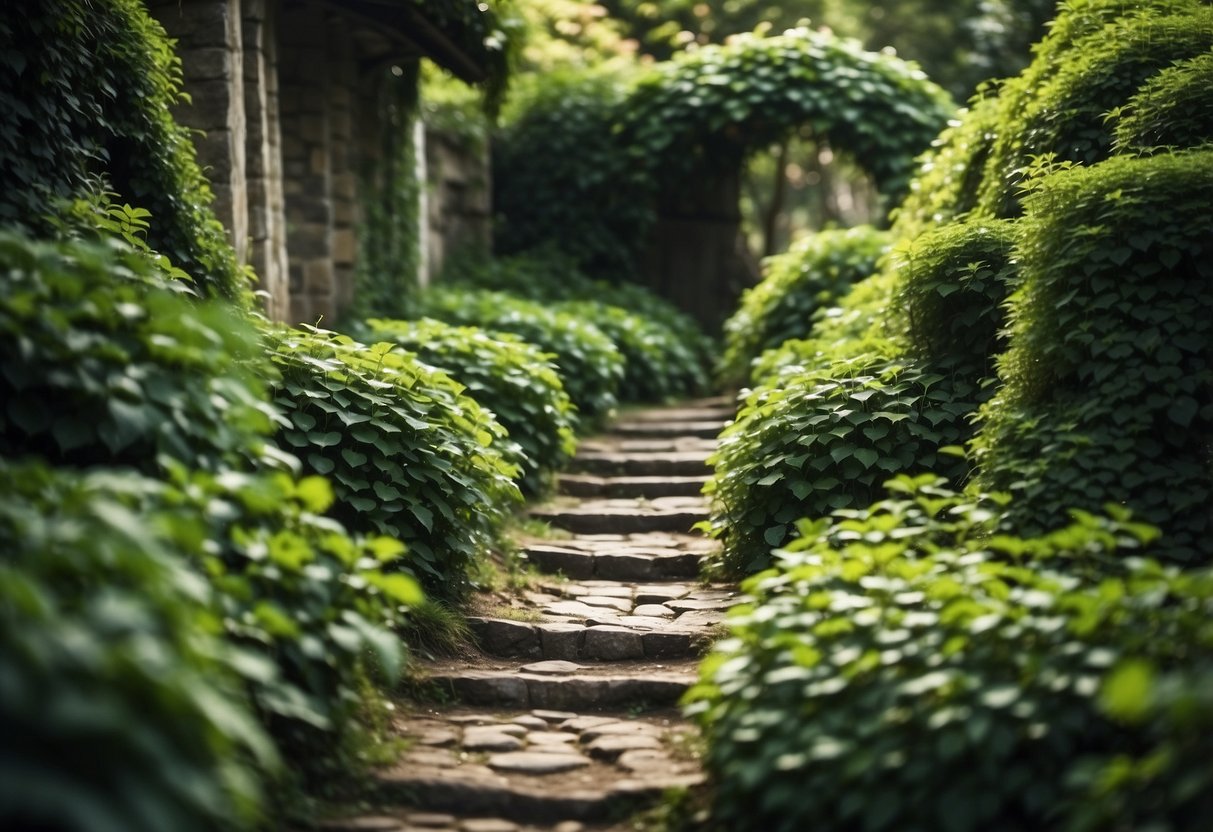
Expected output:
(567, 722)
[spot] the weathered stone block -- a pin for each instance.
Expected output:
(613, 644)
(211, 107)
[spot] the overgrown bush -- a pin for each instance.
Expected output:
(120, 705)
(548, 277)
(1172, 111)
(86, 96)
(809, 277)
(107, 363)
(834, 417)
(590, 366)
(410, 456)
(509, 377)
(657, 365)
(1107, 383)
(905, 668)
(827, 438)
(1093, 62)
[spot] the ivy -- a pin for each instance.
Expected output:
(796, 286)
(409, 455)
(1171, 111)
(1106, 383)
(88, 112)
(514, 380)
(590, 365)
(911, 670)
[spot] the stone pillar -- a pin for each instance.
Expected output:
(303, 71)
(459, 204)
(263, 156)
(209, 43)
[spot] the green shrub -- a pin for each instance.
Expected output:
(816, 440)
(1173, 110)
(86, 94)
(120, 708)
(293, 587)
(409, 455)
(108, 364)
(658, 365)
(904, 669)
(835, 416)
(561, 178)
(1106, 384)
(548, 276)
(590, 366)
(809, 277)
(953, 282)
(1056, 111)
(507, 376)
(949, 176)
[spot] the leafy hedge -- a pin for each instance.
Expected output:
(1172, 110)
(108, 642)
(409, 455)
(507, 376)
(109, 364)
(550, 277)
(1106, 385)
(903, 669)
(809, 277)
(590, 366)
(1090, 65)
(88, 112)
(833, 417)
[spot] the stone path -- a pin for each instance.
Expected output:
(567, 721)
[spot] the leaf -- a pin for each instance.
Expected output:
(1126, 693)
(316, 493)
(424, 516)
(353, 458)
(321, 464)
(867, 456)
(775, 534)
(400, 588)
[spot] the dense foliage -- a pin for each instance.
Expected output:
(796, 286)
(549, 277)
(1106, 384)
(109, 363)
(580, 166)
(833, 417)
(512, 379)
(85, 118)
(109, 642)
(590, 366)
(409, 455)
(1173, 109)
(909, 671)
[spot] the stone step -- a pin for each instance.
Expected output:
(650, 464)
(652, 428)
(604, 621)
(691, 413)
(649, 444)
(540, 766)
(617, 557)
(616, 686)
(589, 486)
(623, 516)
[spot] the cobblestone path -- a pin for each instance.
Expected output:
(567, 721)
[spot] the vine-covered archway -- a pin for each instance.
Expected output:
(639, 175)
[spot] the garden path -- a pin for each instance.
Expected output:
(566, 720)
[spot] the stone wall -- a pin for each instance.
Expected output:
(286, 108)
(458, 204)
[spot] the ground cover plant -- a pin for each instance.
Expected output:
(409, 455)
(910, 669)
(512, 379)
(797, 285)
(590, 365)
